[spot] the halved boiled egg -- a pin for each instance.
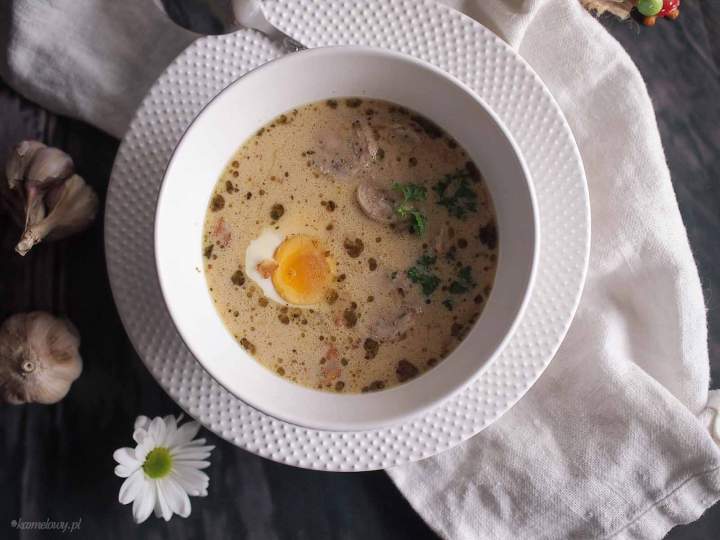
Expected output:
(304, 270)
(295, 270)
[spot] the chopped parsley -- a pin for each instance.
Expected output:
(421, 273)
(463, 283)
(448, 303)
(466, 275)
(455, 193)
(457, 288)
(406, 210)
(426, 261)
(411, 192)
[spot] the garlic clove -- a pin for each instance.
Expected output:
(49, 166)
(74, 207)
(19, 160)
(39, 358)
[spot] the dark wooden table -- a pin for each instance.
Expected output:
(56, 461)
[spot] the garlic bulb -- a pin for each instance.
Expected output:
(39, 358)
(44, 196)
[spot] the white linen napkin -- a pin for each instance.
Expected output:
(612, 441)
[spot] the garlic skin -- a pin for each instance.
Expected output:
(74, 206)
(39, 358)
(48, 166)
(44, 196)
(19, 161)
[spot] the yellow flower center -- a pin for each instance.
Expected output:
(158, 463)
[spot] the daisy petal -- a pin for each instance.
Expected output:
(170, 431)
(161, 504)
(190, 453)
(123, 472)
(195, 442)
(195, 464)
(156, 431)
(126, 456)
(176, 497)
(142, 450)
(193, 481)
(139, 435)
(144, 503)
(187, 432)
(131, 487)
(142, 422)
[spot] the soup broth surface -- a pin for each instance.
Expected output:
(350, 245)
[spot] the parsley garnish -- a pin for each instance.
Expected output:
(426, 260)
(448, 304)
(422, 274)
(411, 192)
(466, 275)
(457, 288)
(456, 194)
(463, 283)
(406, 210)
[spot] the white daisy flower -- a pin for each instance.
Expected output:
(164, 467)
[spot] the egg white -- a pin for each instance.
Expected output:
(259, 250)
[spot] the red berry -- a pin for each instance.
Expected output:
(668, 6)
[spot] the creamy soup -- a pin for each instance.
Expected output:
(350, 245)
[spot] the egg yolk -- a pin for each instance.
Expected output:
(304, 270)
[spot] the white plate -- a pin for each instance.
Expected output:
(450, 41)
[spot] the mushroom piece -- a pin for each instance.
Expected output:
(377, 204)
(344, 153)
(389, 330)
(403, 136)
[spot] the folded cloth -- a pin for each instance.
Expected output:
(612, 441)
(88, 59)
(608, 442)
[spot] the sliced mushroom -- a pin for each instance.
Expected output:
(377, 204)
(345, 152)
(389, 330)
(405, 134)
(405, 138)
